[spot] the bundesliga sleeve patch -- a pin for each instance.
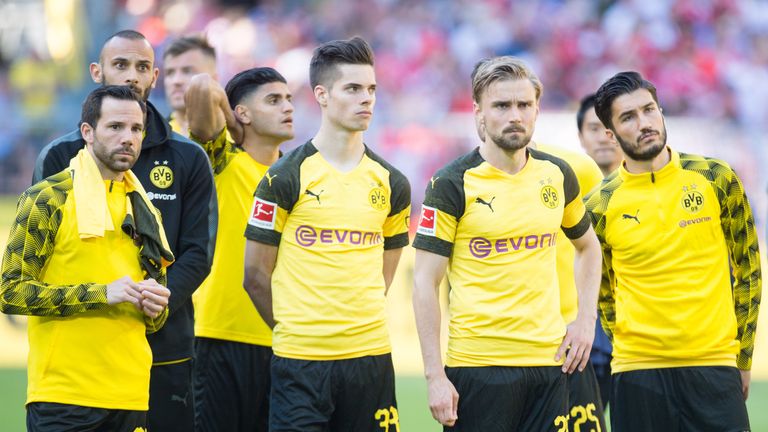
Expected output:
(263, 214)
(427, 221)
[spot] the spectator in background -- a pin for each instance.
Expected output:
(184, 58)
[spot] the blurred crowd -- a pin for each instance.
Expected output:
(708, 58)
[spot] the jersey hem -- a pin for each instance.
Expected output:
(344, 356)
(628, 366)
(232, 337)
(105, 404)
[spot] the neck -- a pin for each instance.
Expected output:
(181, 118)
(342, 148)
(509, 161)
(108, 174)
(606, 170)
(655, 164)
(263, 149)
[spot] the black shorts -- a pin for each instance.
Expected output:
(333, 395)
(507, 399)
(56, 417)
(701, 399)
(585, 405)
(231, 386)
(171, 401)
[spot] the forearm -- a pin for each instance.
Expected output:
(204, 115)
(391, 259)
(426, 307)
(258, 285)
(587, 277)
(20, 296)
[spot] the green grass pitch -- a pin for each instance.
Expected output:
(411, 398)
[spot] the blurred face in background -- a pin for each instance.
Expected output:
(348, 102)
(507, 112)
(127, 62)
(268, 111)
(638, 125)
(598, 144)
(179, 70)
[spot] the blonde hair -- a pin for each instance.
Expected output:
(489, 70)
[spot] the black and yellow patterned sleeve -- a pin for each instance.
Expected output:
(596, 204)
(154, 324)
(741, 237)
(219, 150)
(29, 246)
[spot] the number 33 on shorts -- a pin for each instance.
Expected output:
(387, 418)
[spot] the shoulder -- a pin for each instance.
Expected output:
(454, 171)
(558, 161)
(185, 147)
(396, 177)
(597, 200)
(291, 162)
(67, 144)
(709, 167)
(50, 192)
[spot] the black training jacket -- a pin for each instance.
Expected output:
(178, 179)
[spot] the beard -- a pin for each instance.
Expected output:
(112, 160)
(634, 150)
(508, 142)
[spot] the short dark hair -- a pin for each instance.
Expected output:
(92, 106)
(189, 43)
(126, 34)
(586, 104)
(248, 81)
(323, 69)
(122, 34)
(620, 84)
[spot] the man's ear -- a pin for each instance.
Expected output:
(96, 73)
(154, 78)
(321, 95)
(242, 114)
(87, 132)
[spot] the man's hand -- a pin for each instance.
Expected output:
(208, 110)
(154, 297)
(443, 399)
(124, 290)
(578, 341)
(746, 377)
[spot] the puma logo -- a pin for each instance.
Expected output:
(483, 202)
(269, 178)
(176, 398)
(316, 195)
(433, 180)
(627, 216)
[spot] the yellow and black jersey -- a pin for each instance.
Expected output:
(332, 228)
(589, 175)
(222, 307)
(668, 238)
(500, 231)
(82, 350)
